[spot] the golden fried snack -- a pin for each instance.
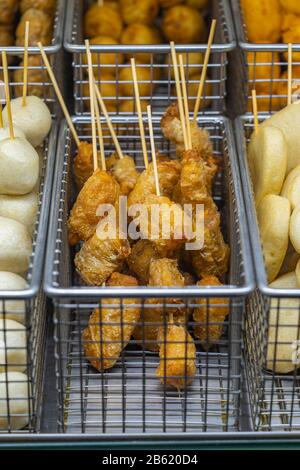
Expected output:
(210, 315)
(102, 21)
(169, 3)
(192, 91)
(129, 106)
(83, 163)
(144, 78)
(292, 6)
(262, 19)
(168, 171)
(199, 4)
(162, 273)
(189, 279)
(172, 130)
(110, 328)
(184, 25)
(47, 6)
(107, 88)
(196, 177)
(142, 253)
(139, 11)
(177, 353)
(106, 60)
(41, 28)
(124, 171)
(36, 78)
(8, 10)
(291, 33)
(192, 60)
(100, 188)
(6, 40)
(98, 259)
(140, 34)
(261, 74)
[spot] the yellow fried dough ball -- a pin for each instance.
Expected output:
(292, 6)
(192, 91)
(129, 106)
(193, 61)
(291, 33)
(266, 103)
(199, 4)
(184, 25)
(8, 10)
(107, 90)
(262, 19)
(36, 78)
(6, 40)
(140, 34)
(262, 68)
(102, 21)
(139, 11)
(41, 28)
(47, 6)
(106, 60)
(169, 3)
(144, 77)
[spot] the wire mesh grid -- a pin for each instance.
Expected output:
(272, 329)
(154, 68)
(262, 67)
(130, 398)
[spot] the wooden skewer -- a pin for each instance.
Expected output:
(25, 72)
(92, 103)
(153, 150)
(290, 73)
(58, 94)
(100, 136)
(109, 123)
(139, 112)
(6, 81)
(255, 113)
(185, 102)
(1, 117)
(179, 95)
(204, 68)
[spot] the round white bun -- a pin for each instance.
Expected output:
(34, 119)
(20, 208)
(16, 383)
(12, 309)
(13, 351)
(15, 246)
(5, 134)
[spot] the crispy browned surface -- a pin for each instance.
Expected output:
(100, 188)
(98, 259)
(102, 21)
(210, 311)
(83, 163)
(162, 273)
(48, 6)
(196, 176)
(110, 328)
(168, 171)
(41, 28)
(139, 259)
(125, 173)
(8, 10)
(177, 354)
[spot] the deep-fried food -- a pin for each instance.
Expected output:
(210, 315)
(41, 28)
(168, 171)
(107, 61)
(98, 259)
(47, 6)
(184, 25)
(125, 173)
(36, 78)
(177, 352)
(8, 10)
(140, 258)
(83, 163)
(139, 11)
(110, 327)
(102, 20)
(100, 188)
(136, 34)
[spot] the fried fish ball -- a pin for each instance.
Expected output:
(41, 28)
(163, 272)
(6, 37)
(98, 259)
(36, 78)
(47, 6)
(168, 171)
(107, 61)
(107, 88)
(140, 258)
(169, 3)
(144, 78)
(292, 6)
(184, 25)
(210, 315)
(129, 106)
(263, 20)
(110, 327)
(199, 4)
(8, 10)
(83, 163)
(291, 34)
(191, 60)
(124, 171)
(100, 188)
(102, 20)
(139, 11)
(139, 34)
(263, 67)
(177, 353)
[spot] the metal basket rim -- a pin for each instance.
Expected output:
(163, 48)
(96, 292)
(259, 265)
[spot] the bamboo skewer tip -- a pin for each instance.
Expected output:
(7, 95)
(25, 71)
(153, 153)
(139, 112)
(179, 95)
(92, 103)
(185, 102)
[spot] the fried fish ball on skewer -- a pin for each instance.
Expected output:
(164, 273)
(98, 259)
(168, 171)
(110, 328)
(172, 130)
(210, 315)
(139, 11)
(125, 173)
(177, 353)
(41, 28)
(100, 188)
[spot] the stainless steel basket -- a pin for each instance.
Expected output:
(248, 68)
(129, 398)
(157, 85)
(31, 312)
(273, 396)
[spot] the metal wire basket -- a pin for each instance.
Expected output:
(155, 73)
(269, 351)
(261, 67)
(129, 398)
(20, 399)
